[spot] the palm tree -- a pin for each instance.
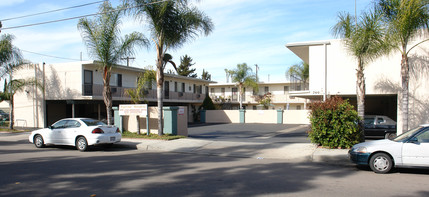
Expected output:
(206, 76)
(300, 71)
(102, 37)
(8, 52)
(244, 77)
(144, 81)
(172, 24)
(406, 20)
(365, 40)
(17, 85)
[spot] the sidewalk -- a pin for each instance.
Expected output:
(295, 152)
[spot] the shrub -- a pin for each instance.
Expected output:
(334, 123)
(207, 104)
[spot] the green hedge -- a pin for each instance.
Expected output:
(334, 123)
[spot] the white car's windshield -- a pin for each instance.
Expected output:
(407, 134)
(92, 122)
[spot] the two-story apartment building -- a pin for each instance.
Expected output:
(333, 72)
(74, 89)
(227, 94)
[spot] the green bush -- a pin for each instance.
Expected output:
(334, 123)
(207, 104)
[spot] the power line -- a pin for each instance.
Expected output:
(40, 13)
(76, 17)
(50, 55)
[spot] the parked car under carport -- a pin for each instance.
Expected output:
(379, 126)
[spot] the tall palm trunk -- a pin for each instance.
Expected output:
(107, 95)
(240, 86)
(405, 81)
(159, 89)
(360, 92)
(11, 116)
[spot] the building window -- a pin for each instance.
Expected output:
(195, 89)
(175, 86)
(212, 90)
(87, 82)
(234, 94)
(266, 89)
(298, 107)
(116, 80)
(222, 90)
(286, 89)
(119, 80)
(183, 87)
(298, 88)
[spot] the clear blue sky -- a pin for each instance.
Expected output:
(246, 31)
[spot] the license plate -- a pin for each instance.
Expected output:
(112, 139)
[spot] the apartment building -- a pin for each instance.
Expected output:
(74, 89)
(333, 72)
(227, 95)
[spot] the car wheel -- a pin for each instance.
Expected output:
(81, 144)
(381, 163)
(38, 141)
(390, 136)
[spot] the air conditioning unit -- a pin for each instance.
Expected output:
(180, 94)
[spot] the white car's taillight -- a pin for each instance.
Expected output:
(117, 130)
(97, 130)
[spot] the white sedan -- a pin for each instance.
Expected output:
(79, 132)
(411, 149)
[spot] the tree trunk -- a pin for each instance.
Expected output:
(240, 96)
(405, 81)
(107, 95)
(360, 92)
(138, 124)
(11, 116)
(159, 90)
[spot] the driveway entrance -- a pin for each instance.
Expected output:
(249, 132)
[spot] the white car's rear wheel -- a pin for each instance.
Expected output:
(38, 141)
(81, 144)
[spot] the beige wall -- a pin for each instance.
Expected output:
(296, 117)
(260, 116)
(257, 116)
(222, 116)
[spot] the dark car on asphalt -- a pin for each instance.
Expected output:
(378, 126)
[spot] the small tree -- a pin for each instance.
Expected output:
(206, 76)
(334, 123)
(184, 68)
(264, 100)
(145, 80)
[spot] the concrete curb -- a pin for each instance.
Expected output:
(293, 152)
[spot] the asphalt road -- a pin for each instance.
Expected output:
(121, 171)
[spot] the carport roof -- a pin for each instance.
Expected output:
(301, 49)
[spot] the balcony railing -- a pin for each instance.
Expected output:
(97, 90)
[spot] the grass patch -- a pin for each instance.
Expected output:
(127, 134)
(5, 129)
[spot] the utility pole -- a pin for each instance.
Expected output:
(257, 68)
(128, 60)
